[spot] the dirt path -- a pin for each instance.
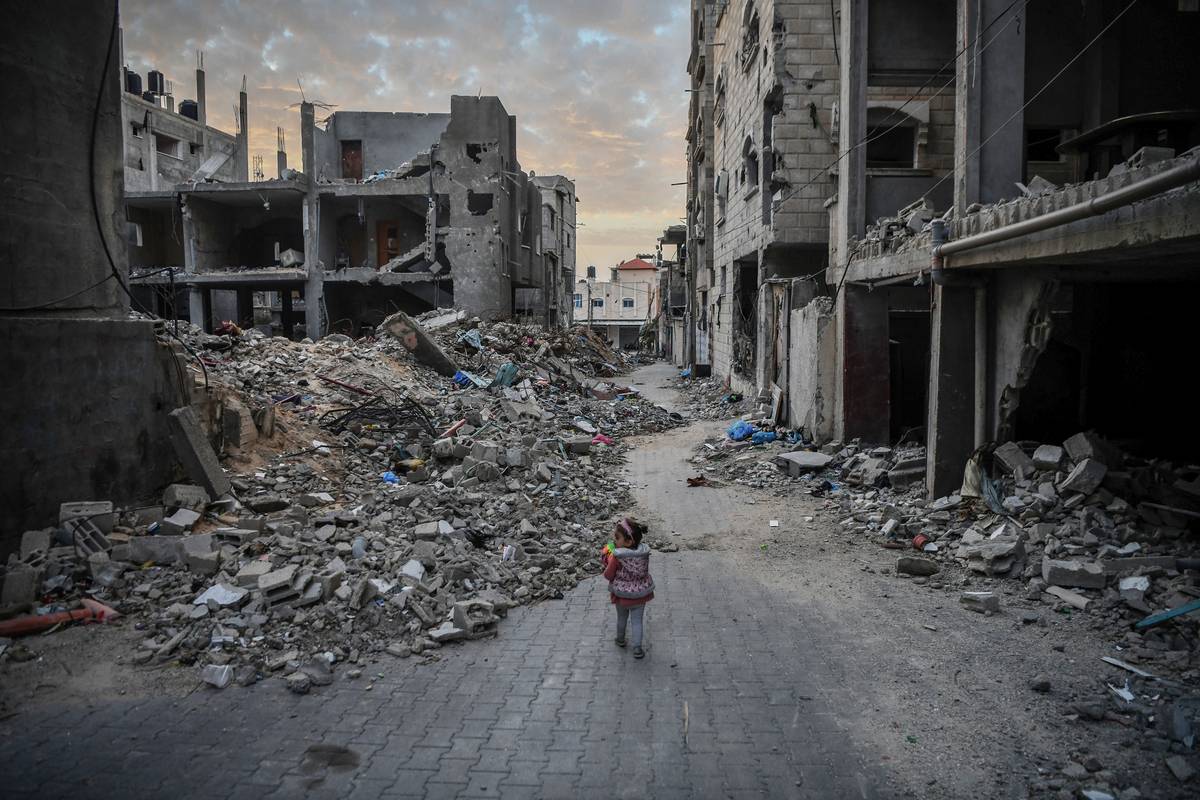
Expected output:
(942, 693)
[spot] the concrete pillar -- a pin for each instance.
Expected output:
(201, 102)
(243, 134)
(286, 320)
(245, 307)
(865, 364)
(280, 163)
(852, 129)
(314, 285)
(989, 90)
(950, 430)
(196, 305)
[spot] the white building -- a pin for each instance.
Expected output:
(618, 307)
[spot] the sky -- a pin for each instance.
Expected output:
(597, 86)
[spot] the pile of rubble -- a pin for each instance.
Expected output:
(376, 504)
(1070, 528)
(707, 398)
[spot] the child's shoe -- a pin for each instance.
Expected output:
(620, 642)
(637, 652)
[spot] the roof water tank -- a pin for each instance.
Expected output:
(158, 84)
(189, 109)
(150, 97)
(133, 82)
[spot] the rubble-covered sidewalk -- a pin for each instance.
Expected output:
(378, 498)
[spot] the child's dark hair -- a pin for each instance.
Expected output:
(633, 529)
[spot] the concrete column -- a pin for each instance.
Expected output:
(196, 307)
(201, 102)
(243, 134)
(852, 129)
(989, 90)
(950, 430)
(280, 163)
(245, 307)
(865, 365)
(314, 285)
(286, 320)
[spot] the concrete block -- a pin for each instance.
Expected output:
(32, 541)
(802, 461)
(912, 565)
(21, 583)
(267, 503)
(432, 530)
(237, 424)
(1012, 458)
(181, 521)
(1084, 575)
(416, 341)
(1067, 596)
(485, 451)
(86, 536)
(272, 581)
(182, 495)
(1085, 478)
(200, 553)
(1048, 456)
(1086, 444)
(159, 549)
(981, 602)
(195, 453)
(98, 512)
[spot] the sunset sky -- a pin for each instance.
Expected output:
(597, 87)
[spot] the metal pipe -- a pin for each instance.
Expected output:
(1162, 182)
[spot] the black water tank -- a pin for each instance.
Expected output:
(158, 84)
(133, 82)
(150, 97)
(189, 109)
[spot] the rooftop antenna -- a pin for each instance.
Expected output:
(199, 59)
(316, 103)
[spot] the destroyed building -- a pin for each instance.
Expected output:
(958, 222)
(390, 211)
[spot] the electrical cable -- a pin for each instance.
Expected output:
(898, 109)
(112, 264)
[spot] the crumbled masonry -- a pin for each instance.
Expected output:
(390, 511)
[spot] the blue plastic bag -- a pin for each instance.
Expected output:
(390, 477)
(762, 437)
(741, 430)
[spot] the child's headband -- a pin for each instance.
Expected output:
(625, 526)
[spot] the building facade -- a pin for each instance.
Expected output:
(390, 211)
(619, 306)
(961, 192)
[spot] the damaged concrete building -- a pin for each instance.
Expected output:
(390, 211)
(954, 222)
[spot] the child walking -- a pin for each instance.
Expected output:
(627, 568)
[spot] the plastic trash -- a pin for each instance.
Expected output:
(741, 430)
(600, 438)
(390, 477)
(471, 337)
(763, 437)
(687, 373)
(505, 375)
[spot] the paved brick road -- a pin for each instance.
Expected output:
(737, 697)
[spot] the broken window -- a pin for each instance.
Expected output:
(749, 165)
(475, 151)
(194, 148)
(1041, 144)
(167, 146)
(719, 104)
(137, 130)
(750, 26)
(352, 159)
(892, 147)
(479, 203)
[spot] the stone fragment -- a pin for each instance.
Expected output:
(1048, 456)
(1087, 445)
(1085, 478)
(159, 549)
(1012, 458)
(318, 671)
(314, 499)
(249, 574)
(447, 632)
(98, 512)
(413, 569)
(21, 582)
(181, 521)
(801, 461)
(267, 503)
(216, 675)
(222, 595)
(237, 424)
(1180, 768)
(298, 682)
(195, 453)
(1040, 684)
(183, 495)
(416, 341)
(912, 565)
(1084, 575)
(981, 602)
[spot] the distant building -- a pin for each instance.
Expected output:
(391, 211)
(618, 307)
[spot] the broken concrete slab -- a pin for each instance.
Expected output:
(1067, 596)
(800, 461)
(222, 595)
(416, 341)
(1048, 456)
(1079, 574)
(159, 549)
(1085, 445)
(180, 522)
(1013, 459)
(98, 512)
(1087, 475)
(912, 565)
(183, 495)
(981, 602)
(195, 453)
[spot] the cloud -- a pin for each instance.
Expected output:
(597, 88)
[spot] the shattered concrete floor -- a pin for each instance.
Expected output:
(782, 661)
